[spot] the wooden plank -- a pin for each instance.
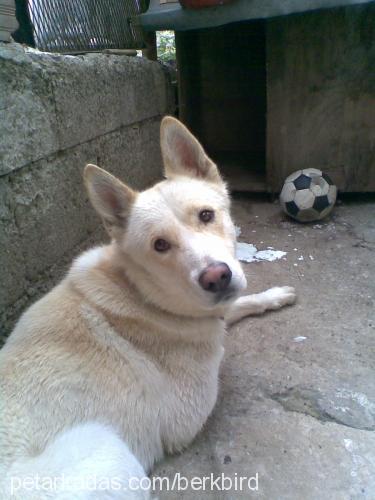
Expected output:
(321, 96)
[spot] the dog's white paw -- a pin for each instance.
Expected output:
(279, 296)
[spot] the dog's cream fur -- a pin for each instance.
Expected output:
(118, 364)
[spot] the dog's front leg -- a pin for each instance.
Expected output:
(274, 298)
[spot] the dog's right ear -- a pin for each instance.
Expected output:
(183, 154)
(110, 197)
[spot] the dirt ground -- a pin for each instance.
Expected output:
(296, 411)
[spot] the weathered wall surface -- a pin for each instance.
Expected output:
(58, 113)
(321, 96)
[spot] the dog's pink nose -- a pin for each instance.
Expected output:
(216, 277)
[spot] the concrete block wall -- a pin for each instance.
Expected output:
(58, 113)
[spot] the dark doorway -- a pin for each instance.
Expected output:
(222, 74)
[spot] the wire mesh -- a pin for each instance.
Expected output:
(85, 25)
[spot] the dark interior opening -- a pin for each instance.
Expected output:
(222, 75)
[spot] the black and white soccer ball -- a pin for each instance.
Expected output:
(308, 195)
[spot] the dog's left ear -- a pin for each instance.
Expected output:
(109, 196)
(183, 154)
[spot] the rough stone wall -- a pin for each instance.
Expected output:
(58, 113)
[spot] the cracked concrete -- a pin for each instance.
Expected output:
(297, 398)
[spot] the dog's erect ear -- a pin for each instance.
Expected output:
(183, 154)
(109, 196)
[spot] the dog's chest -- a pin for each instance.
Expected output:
(189, 395)
(158, 397)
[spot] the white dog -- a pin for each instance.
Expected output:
(118, 364)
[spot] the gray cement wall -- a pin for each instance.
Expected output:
(58, 113)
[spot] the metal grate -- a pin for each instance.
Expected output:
(85, 25)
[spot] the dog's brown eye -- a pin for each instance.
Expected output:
(206, 216)
(161, 245)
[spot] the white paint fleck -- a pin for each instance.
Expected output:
(359, 398)
(253, 231)
(317, 226)
(246, 252)
(299, 339)
(295, 249)
(295, 265)
(238, 231)
(270, 255)
(344, 409)
(358, 462)
(300, 258)
(348, 443)
(311, 257)
(289, 235)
